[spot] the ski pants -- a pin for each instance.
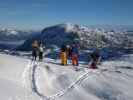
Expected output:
(40, 55)
(75, 59)
(63, 58)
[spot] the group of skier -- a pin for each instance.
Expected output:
(71, 52)
(37, 50)
(67, 52)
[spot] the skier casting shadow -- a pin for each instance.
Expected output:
(95, 59)
(34, 49)
(41, 50)
(63, 55)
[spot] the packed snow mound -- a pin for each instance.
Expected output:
(87, 37)
(48, 80)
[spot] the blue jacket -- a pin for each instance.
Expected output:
(75, 50)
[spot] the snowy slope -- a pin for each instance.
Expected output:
(23, 79)
(11, 79)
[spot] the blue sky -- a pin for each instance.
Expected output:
(36, 14)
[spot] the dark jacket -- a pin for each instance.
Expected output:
(95, 55)
(75, 50)
(63, 48)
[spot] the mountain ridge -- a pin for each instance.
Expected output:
(86, 37)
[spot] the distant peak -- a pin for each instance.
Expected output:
(69, 26)
(66, 24)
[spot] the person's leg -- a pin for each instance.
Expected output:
(72, 59)
(65, 58)
(35, 55)
(32, 55)
(62, 59)
(41, 55)
(75, 60)
(93, 65)
(40, 58)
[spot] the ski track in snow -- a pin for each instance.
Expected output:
(71, 86)
(30, 70)
(33, 81)
(26, 74)
(61, 92)
(30, 74)
(29, 77)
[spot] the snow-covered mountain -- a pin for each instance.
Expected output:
(14, 34)
(87, 37)
(11, 38)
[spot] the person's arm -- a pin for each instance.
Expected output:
(44, 47)
(99, 60)
(60, 55)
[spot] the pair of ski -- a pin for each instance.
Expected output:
(82, 68)
(101, 70)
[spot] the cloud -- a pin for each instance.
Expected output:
(15, 12)
(39, 4)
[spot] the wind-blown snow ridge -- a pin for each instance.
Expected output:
(60, 93)
(70, 87)
(31, 72)
(33, 81)
(78, 81)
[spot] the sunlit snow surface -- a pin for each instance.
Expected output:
(23, 79)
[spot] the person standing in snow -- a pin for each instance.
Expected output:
(69, 52)
(63, 55)
(75, 54)
(41, 52)
(35, 49)
(95, 59)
